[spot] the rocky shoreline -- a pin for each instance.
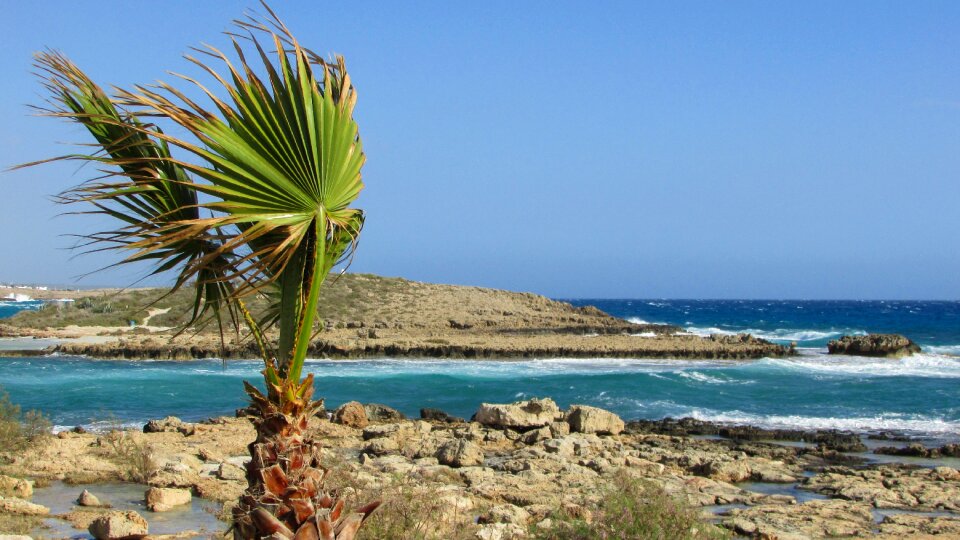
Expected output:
(506, 472)
(371, 316)
(379, 344)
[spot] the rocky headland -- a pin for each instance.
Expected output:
(372, 316)
(507, 472)
(875, 345)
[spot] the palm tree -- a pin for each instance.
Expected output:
(259, 204)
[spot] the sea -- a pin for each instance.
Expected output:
(918, 396)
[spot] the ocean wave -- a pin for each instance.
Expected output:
(704, 378)
(779, 334)
(918, 365)
(946, 350)
(101, 427)
(899, 423)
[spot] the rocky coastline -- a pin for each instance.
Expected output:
(366, 316)
(504, 473)
(339, 344)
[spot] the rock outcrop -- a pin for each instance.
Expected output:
(351, 414)
(877, 345)
(16, 505)
(164, 499)
(586, 419)
(523, 415)
(169, 424)
(89, 499)
(115, 525)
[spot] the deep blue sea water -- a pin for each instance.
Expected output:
(918, 395)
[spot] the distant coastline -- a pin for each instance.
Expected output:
(369, 316)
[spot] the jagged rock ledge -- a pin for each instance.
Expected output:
(875, 345)
(340, 344)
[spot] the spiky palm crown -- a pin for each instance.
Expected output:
(260, 204)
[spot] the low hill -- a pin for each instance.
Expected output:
(350, 301)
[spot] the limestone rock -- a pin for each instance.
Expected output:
(879, 345)
(523, 415)
(382, 446)
(229, 471)
(351, 414)
(586, 419)
(88, 499)
(176, 470)
(163, 499)
(906, 525)
(114, 525)
(15, 505)
(891, 486)
(505, 513)
(15, 487)
(460, 453)
(381, 413)
(169, 424)
(501, 531)
(814, 519)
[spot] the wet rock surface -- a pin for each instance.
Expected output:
(877, 345)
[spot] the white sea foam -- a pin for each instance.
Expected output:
(913, 424)
(918, 365)
(779, 334)
(948, 350)
(702, 377)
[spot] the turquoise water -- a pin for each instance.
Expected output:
(919, 395)
(8, 309)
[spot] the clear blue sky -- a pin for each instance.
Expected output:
(590, 149)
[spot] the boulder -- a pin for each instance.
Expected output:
(163, 499)
(117, 524)
(14, 505)
(460, 453)
(88, 499)
(351, 414)
(878, 345)
(14, 537)
(381, 413)
(229, 471)
(522, 415)
(586, 419)
(170, 424)
(15, 487)
(175, 470)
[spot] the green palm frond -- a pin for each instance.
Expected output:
(141, 187)
(262, 195)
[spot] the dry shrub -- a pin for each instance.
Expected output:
(19, 525)
(134, 456)
(19, 431)
(631, 509)
(412, 509)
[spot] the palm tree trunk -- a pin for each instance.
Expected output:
(285, 497)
